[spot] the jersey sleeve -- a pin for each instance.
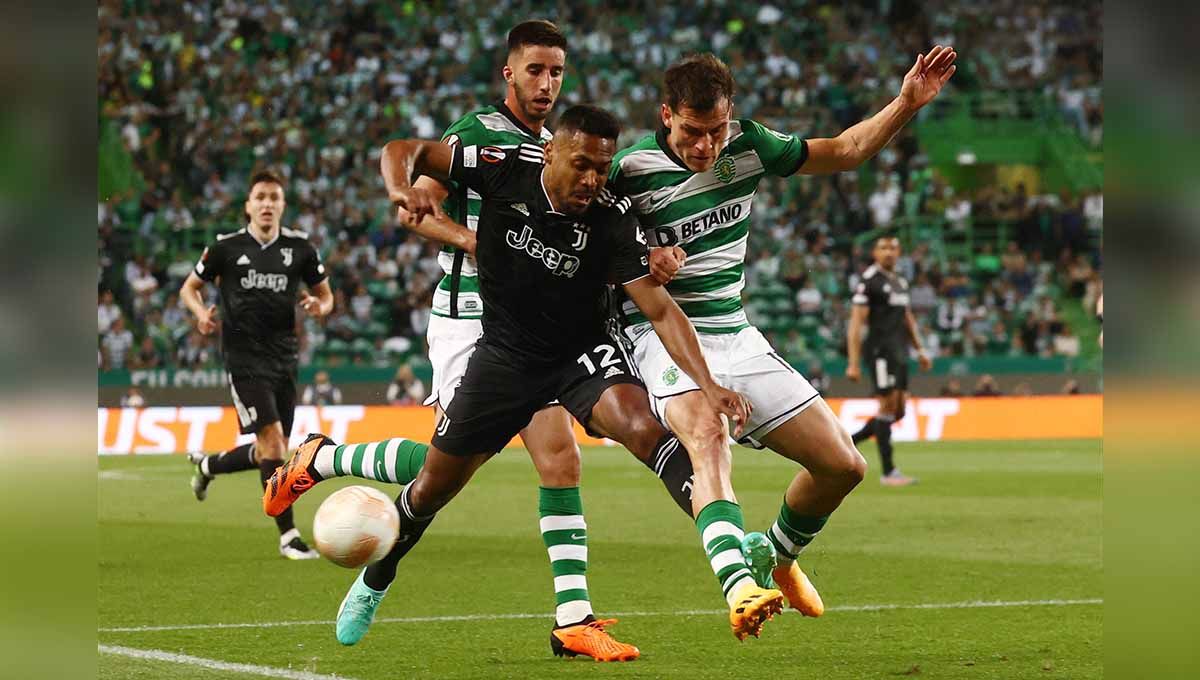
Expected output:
(314, 270)
(866, 292)
(629, 256)
(781, 154)
(209, 266)
(481, 168)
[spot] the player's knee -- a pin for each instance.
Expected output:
(269, 447)
(642, 435)
(427, 499)
(561, 467)
(708, 433)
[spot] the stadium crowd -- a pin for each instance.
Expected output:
(193, 95)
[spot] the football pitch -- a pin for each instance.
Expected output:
(991, 567)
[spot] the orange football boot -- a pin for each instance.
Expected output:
(800, 592)
(752, 607)
(588, 638)
(294, 477)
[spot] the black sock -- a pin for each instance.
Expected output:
(234, 460)
(883, 435)
(670, 461)
(265, 469)
(380, 575)
(867, 431)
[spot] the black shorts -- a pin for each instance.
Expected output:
(260, 401)
(888, 371)
(499, 395)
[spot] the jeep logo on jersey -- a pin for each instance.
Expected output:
(554, 259)
(669, 236)
(287, 256)
(275, 282)
(725, 169)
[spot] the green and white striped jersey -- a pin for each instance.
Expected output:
(457, 295)
(707, 214)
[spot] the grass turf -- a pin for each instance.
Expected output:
(989, 522)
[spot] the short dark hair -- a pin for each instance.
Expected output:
(699, 82)
(535, 32)
(590, 120)
(886, 236)
(265, 175)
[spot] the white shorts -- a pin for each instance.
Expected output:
(743, 362)
(451, 343)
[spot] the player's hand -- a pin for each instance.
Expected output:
(924, 361)
(927, 76)
(206, 323)
(853, 371)
(311, 305)
(417, 201)
(666, 262)
(732, 404)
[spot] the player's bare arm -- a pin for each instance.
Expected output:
(437, 228)
(861, 142)
(401, 160)
(914, 336)
(318, 301)
(679, 337)
(858, 319)
(193, 299)
(666, 262)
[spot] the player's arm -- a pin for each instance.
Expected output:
(679, 338)
(914, 335)
(402, 159)
(318, 300)
(858, 319)
(192, 292)
(862, 141)
(439, 228)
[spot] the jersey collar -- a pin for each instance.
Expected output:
(512, 117)
(549, 206)
(261, 245)
(661, 138)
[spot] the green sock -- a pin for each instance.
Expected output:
(720, 524)
(792, 531)
(565, 534)
(391, 460)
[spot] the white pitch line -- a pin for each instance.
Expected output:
(975, 604)
(213, 664)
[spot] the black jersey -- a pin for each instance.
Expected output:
(886, 297)
(543, 274)
(258, 285)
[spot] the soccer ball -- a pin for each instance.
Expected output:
(356, 526)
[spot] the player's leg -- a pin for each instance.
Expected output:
(237, 459)
(704, 435)
(272, 441)
(442, 477)
(895, 407)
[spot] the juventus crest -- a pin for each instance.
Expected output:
(287, 256)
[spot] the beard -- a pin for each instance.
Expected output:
(525, 102)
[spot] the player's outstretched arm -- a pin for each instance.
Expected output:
(861, 142)
(401, 160)
(679, 337)
(441, 228)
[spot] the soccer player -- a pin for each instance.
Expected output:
(692, 184)
(533, 75)
(880, 303)
(550, 240)
(258, 272)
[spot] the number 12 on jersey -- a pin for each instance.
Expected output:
(609, 358)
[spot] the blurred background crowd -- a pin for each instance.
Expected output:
(1002, 262)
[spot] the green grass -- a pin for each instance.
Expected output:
(989, 522)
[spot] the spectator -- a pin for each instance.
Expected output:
(133, 398)
(194, 353)
(1071, 387)
(952, 388)
(809, 299)
(107, 311)
(322, 392)
(987, 387)
(883, 203)
(147, 355)
(1066, 343)
(817, 377)
(117, 343)
(405, 389)
(922, 296)
(361, 304)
